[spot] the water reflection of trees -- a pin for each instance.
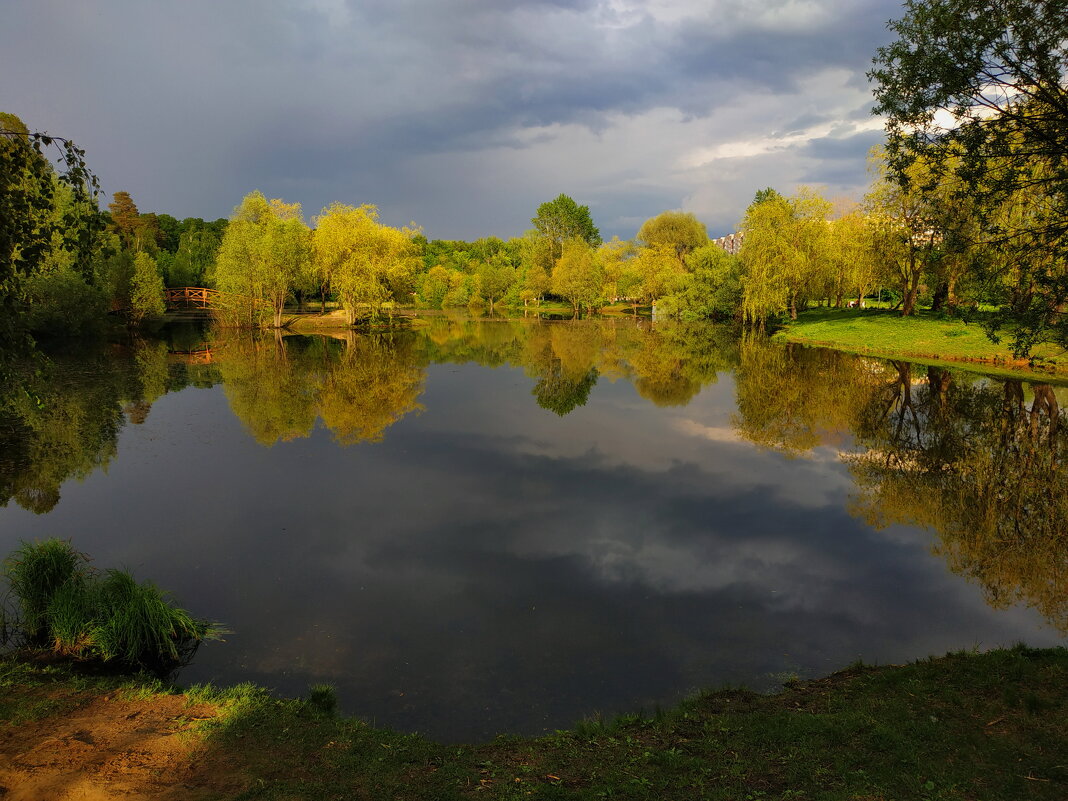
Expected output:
(377, 382)
(61, 414)
(61, 417)
(980, 462)
(792, 398)
(358, 385)
(667, 365)
(983, 465)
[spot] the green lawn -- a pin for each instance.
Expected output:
(924, 337)
(965, 726)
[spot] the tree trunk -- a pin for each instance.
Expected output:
(941, 295)
(908, 303)
(939, 379)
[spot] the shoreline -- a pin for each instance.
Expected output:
(920, 339)
(966, 725)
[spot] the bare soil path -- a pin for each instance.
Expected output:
(108, 747)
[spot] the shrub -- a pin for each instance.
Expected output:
(323, 699)
(88, 615)
(34, 573)
(61, 303)
(146, 289)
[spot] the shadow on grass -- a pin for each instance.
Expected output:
(963, 726)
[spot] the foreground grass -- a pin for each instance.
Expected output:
(925, 336)
(965, 726)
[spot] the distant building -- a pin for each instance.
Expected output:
(732, 243)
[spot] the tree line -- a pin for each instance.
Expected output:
(967, 210)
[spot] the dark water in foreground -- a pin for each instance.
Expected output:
(507, 526)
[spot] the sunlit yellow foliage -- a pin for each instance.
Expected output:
(263, 255)
(577, 275)
(367, 262)
(376, 383)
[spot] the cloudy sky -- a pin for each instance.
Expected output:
(462, 115)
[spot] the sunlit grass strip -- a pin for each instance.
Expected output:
(923, 336)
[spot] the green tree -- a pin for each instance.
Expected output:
(495, 278)
(562, 219)
(241, 261)
(783, 253)
(262, 257)
(536, 263)
(976, 89)
(434, 287)
(146, 289)
(170, 234)
(125, 219)
(678, 230)
(905, 237)
(852, 267)
(194, 260)
(614, 258)
(713, 289)
(659, 272)
(28, 219)
(287, 243)
(577, 276)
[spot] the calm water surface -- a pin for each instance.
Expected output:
(488, 526)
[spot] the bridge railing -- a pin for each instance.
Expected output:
(195, 296)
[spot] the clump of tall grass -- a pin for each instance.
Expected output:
(104, 616)
(34, 572)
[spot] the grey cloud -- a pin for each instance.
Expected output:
(191, 107)
(852, 148)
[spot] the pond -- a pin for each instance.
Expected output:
(486, 526)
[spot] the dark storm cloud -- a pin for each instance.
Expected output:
(852, 148)
(192, 105)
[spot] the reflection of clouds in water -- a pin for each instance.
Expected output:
(711, 433)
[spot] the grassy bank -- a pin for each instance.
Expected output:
(965, 726)
(923, 337)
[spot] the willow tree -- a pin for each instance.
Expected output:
(287, 243)
(852, 267)
(613, 257)
(263, 255)
(784, 252)
(536, 265)
(364, 259)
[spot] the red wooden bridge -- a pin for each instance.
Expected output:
(191, 297)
